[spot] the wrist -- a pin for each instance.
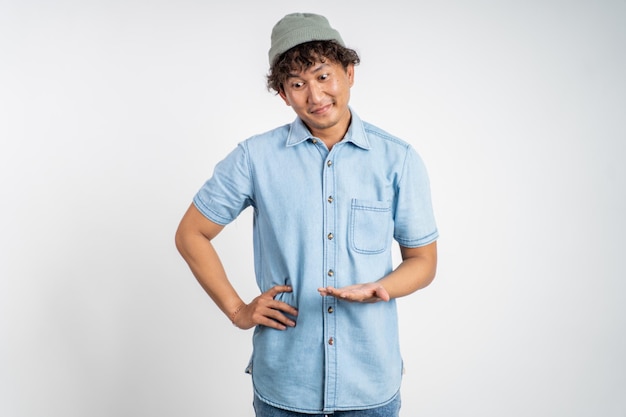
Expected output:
(234, 314)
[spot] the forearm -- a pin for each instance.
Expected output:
(205, 264)
(416, 271)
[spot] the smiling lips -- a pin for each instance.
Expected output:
(321, 110)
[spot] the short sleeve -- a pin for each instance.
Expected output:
(414, 220)
(229, 191)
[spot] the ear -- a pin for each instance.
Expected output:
(350, 74)
(282, 95)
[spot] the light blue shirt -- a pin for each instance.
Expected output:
(325, 219)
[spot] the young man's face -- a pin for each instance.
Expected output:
(319, 95)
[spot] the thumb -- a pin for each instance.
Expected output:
(382, 293)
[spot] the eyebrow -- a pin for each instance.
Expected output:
(315, 70)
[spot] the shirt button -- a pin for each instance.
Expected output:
(331, 272)
(329, 163)
(330, 199)
(331, 341)
(330, 236)
(330, 310)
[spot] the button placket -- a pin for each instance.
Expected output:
(330, 303)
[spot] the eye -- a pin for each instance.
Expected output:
(297, 85)
(324, 77)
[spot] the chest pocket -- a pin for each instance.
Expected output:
(370, 226)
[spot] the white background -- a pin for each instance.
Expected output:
(113, 113)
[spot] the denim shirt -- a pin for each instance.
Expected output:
(325, 219)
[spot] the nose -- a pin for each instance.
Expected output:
(316, 93)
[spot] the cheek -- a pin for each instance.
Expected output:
(297, 101)
(341, 88)
(291, 99)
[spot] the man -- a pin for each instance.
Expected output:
(330, 193)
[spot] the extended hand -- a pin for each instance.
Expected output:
(362, 293)
(266, 311)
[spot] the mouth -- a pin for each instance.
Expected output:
(321, 110)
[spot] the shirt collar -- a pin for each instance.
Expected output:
(298, 133)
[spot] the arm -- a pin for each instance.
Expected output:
(416, 271)
(193, 241)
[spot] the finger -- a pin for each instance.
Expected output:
(283, 307)
(264, 304)
(273, 318)
(277, 289)
(268, 322)
(339, 293)
(353, 294)
(274, 309)
(328, 291)
(280, 306)
(281, 318)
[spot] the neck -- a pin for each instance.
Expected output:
(332, 135)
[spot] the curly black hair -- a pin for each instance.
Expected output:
(302, 56)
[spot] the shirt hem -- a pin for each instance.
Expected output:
(416, 243)
(325, 410)
(210, 214)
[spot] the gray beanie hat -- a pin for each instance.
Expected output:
(297, 28)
